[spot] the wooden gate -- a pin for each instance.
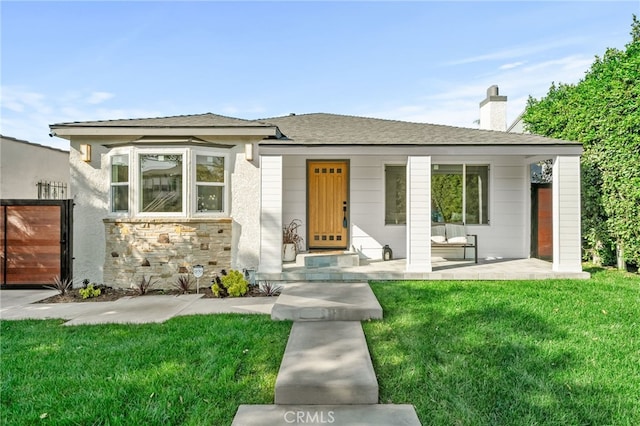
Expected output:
(541, 221)
(36, 238)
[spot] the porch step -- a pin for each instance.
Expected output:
(339, 260)
(326, 363)
(337, 415)
(318, 301)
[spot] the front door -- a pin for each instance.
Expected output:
(327, 205)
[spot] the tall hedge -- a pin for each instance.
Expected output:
(603, 112)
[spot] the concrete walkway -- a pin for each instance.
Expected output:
(326, 375)
(20, 304)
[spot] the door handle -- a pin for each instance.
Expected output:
(344, 214)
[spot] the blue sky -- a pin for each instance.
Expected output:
(425, 61)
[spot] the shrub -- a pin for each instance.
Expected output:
(183, 284)
(268, 288)
(144, 285)
(61, 285)
(230, 284)
(89, 291)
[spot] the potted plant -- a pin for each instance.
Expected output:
(291, 240)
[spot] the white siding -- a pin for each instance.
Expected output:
(507, 235)
(366, 203)
(271, 214)
(566, 215)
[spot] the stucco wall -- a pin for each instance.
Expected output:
(90, 190)
(23, 165)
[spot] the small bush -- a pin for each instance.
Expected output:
(270, 289)
(89, 291)
(231, 284)
(61, 285)
(144, 285)
(183, 284)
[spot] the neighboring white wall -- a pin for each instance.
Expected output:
(566, 215)
(24, 164)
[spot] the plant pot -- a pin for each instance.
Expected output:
(288, 252)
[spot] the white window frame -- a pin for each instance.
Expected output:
(194, 182)
(490, 185)
(384, 192)
(189, 189)
(114, 153)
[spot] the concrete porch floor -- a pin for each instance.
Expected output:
(443, 269)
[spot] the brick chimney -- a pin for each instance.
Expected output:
(493, 111)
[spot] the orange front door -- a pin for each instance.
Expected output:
(327, 206)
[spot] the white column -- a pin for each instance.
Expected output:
(567, 253)
(419, 214)
(270, 214)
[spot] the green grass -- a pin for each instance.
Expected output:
(190, 370)
(556, 352)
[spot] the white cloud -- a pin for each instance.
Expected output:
(512, 65)
(99, 97)
(27, 114)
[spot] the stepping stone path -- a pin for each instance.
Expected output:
(326, 375)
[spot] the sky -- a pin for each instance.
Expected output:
(421, 61)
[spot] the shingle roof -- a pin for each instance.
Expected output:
(333, 129)
(196, 120)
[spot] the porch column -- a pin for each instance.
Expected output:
(270, 214)
(419, 214)
(567, 253)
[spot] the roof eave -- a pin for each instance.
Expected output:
(66, 132)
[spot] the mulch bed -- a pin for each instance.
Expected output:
(110, 294)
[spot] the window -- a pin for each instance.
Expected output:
(120, 183)
(209, 183)
(161, 183)
(460, 193)
(168, 181)
(395, 195)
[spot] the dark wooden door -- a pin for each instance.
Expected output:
(327, 209)
(542, 221)
(36, 242)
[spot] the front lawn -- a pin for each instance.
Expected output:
(190, 370)
(557, 352)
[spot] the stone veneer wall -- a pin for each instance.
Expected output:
(164, 249)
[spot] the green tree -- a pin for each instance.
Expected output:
(603, 112)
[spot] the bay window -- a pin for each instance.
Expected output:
(161, 183)
(168, 181)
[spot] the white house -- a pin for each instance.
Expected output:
(156, 196)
